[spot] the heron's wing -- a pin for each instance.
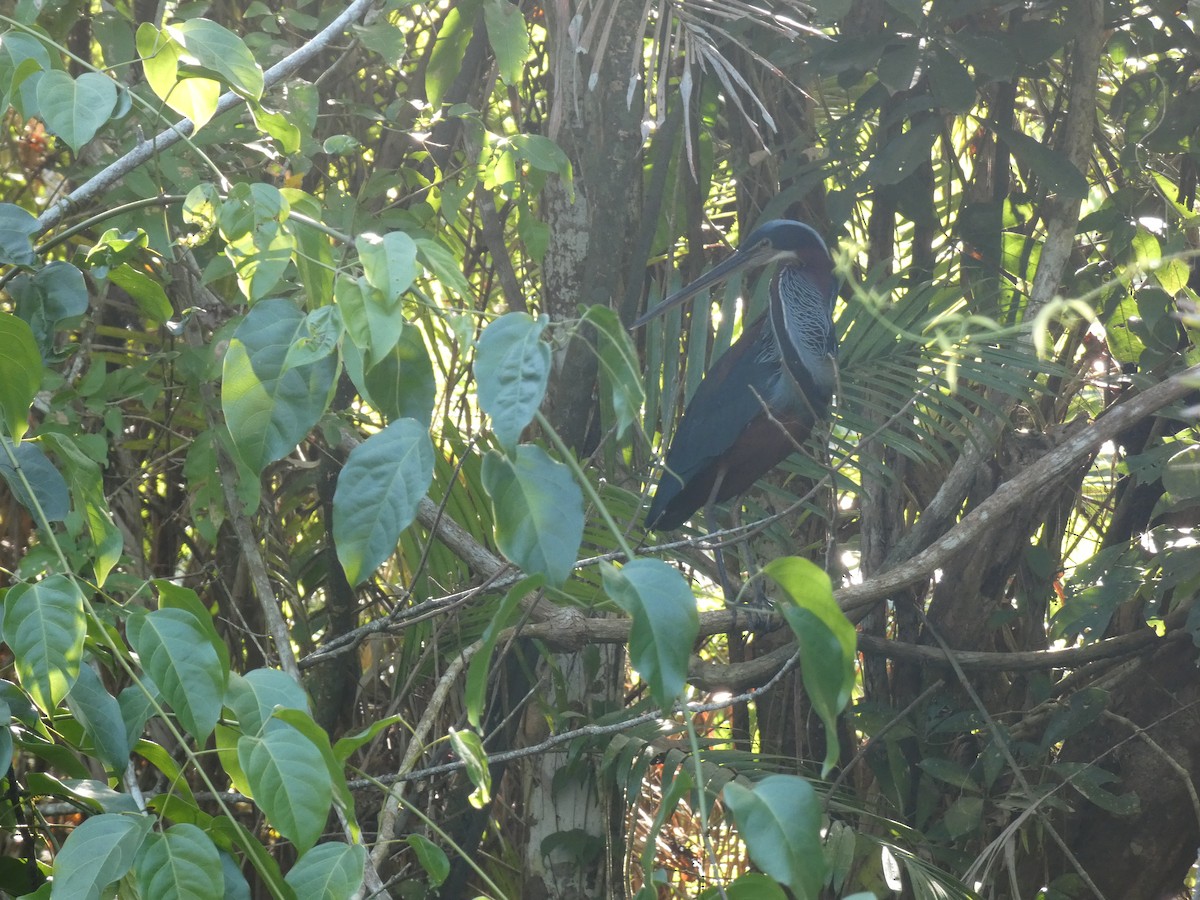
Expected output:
(721, 413)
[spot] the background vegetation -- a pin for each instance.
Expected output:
(323, 450)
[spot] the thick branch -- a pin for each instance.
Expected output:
(857, 599)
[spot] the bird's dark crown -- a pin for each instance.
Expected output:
(788, 236)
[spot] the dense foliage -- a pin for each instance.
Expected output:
(323, 447)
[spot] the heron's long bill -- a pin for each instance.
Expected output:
(739, 260)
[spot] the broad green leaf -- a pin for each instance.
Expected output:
(87, 488)
(49, 488)
(750, 886)
(477, 671)
(543, 154)
(899, 158)
(665, 622)
(20, 373)
(260, 257)
(508, 36)
(180, 864)
(401, 384)
(1181, 475)
(950, 82)
(332, 871)
(377, 494)
(215, 48)
(194, 98)
(76, 108)
(270, 410)
(6, 734)
(898, 64)
(444, 265)
(384, 38)
(538, 511)
(351, 297)
(1056, 173)
(318, 338)
(253, 697)
(147, 292)
(828, 642)
(445, 60)
(29, 60)
(177, 653)
(469, 748)
(278, 125)
(44, 626)
(512, 367)
(176, 596)
(302, 721)
(780, 822)
(96, 854)
(620, 371)
(49, 297)
(431, 857)
(275, 763)
(389, 262)
(100, 715)
(249, 207)
(17, 228)
(235, 885)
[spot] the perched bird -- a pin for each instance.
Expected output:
(763, 396)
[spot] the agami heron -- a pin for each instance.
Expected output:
(763, 396)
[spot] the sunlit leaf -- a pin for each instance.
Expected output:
(538, 511)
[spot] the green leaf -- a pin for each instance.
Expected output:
(512, 368)
(100, 715)
(51, 296)
(215, 48)
(828, 642)
(751, 886)
(665, 622)
(445, 60)
(255, 696)
(538, 511)
(180, 864)
(275, 763)
(96, 854)
(269, 410)
(900, 157)
(444, 265)
(176, 652)
(431, 857)
(17, 228)
(620, 372)
(377, 495)
(76, 108)
(508, 36)
(318, 338)
(389, 262)
(20, 374)
(1057, 173)
(780, 822)
(302, 721)
(49, 487)
(176, 596)
(146, 292)
(469, 748)
(278, 125)
(44, 625)
(87, 488)
(1181, 475)
(331, 871)
(401, 384)
(194, 98)
(261, 257)
(951, 84)
(346, 746)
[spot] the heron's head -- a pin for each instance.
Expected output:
(780, 240)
